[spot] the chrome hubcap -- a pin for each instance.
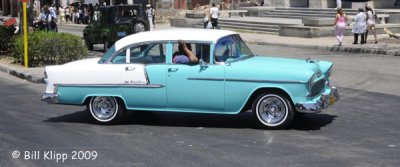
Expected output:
(103, 108)
(271, 110)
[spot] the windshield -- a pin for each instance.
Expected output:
(107, 55)
(231, 48)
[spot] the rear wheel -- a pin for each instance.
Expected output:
(106, 44)
(105, 109)
(273, 110)
(89, 45)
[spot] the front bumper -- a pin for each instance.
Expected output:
(50, 97)
(322, 103)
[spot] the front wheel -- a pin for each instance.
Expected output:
(273, 110)
(106, 110)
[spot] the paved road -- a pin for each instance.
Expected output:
(360, 130)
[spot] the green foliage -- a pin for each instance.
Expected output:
(49, 48)
(6, 34)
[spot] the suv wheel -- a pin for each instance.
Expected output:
(106, 44)
(89, 45)
(138, 27)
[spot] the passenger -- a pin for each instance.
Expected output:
(184, 55)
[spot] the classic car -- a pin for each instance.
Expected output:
(138, 73)
(114, 23)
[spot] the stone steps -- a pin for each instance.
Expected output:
(300, 13)
(243, 25)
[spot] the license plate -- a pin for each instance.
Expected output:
(121, 34)
(332, 100)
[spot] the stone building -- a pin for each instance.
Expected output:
(332, 3)
(10, 7)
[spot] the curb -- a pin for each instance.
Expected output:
(21, 74)
(378, 51)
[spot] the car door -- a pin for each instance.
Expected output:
(197, 88)
(144, 76)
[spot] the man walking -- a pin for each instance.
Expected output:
(150, 16)
(360, 26)
(214, 11)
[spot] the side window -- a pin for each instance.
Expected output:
(189, 45)
(201, 50)
(177, 56)
(225, 49)
(120, 58)
(148, 53)
(142, 54)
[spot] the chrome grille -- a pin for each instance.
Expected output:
(318, 87)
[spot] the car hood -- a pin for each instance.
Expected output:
(282, 69)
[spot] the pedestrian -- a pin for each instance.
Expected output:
(96, 13)
(150, 16)
(85, 14)
(72, 11)
(360, 26)
(340, 25)
(214, 12)
(62, 14)
(338, 4)
(206, 20)
(80, 15)
(370, 23)
(67, 15)
(45, 19)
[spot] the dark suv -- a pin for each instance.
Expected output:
(114, 23)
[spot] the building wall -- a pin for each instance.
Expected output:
(384, 3)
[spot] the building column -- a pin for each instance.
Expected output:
(277, 3)
(319, 3)
(6, 7)
(14, 8)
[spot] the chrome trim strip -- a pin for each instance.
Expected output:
(112, 85)
(322, 103)
(246, 80)
(264, 81)
(207, 79)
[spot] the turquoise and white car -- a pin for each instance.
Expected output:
(138, 73)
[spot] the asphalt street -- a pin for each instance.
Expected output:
(360, 130)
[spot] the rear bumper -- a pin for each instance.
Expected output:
(322, 103)
(50, 97)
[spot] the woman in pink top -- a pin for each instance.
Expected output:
(340, 25)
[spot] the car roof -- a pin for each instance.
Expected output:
(186, 34)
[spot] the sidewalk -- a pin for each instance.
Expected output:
(386, 46)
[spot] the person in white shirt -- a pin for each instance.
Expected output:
(150, 16)
(370, 23)
(214, 12)
(360, 26)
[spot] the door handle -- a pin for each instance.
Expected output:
(129, 68)
(172, 69)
